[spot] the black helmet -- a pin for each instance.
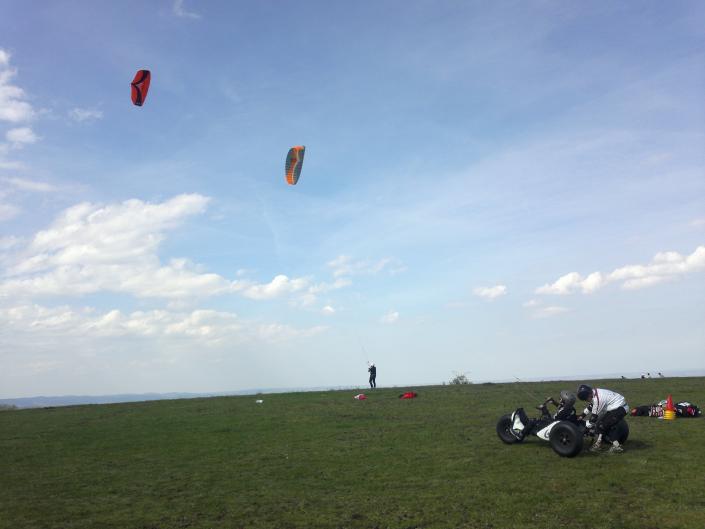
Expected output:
(567, 398)
(584, 392)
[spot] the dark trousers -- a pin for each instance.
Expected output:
(610, 418)
(373, 382)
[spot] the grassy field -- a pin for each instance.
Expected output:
(324, 460)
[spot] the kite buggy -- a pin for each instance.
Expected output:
(564, 430)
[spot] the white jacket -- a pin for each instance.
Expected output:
(604, 400)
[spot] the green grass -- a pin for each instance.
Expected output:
(324, 460)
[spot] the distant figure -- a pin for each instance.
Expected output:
(661, 375)
(643, 376)
(624, 378)
(373, 375)
(648, 375)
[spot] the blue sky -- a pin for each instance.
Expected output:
(514, 190)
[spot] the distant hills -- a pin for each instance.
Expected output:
(72, 400)
(75, 400)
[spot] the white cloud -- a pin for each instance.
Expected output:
(547, 312)
(42, 366)
(113, 248)
(490, 292)
(85, 114)
(279, 286)
(208, 327)
(16, 110)
(29, 185)
(179, 10)
(13, 107)
(94, 234)
(20, 136)
(563, 285)
(140, 279)
(328, 310)
(302, 291)
(539, 311)
(327, 287)
(697, 223)
(91, 248)
(572, 282)
(9, 242)
(592, 282)
(277, 332)
(665, 266)
(11, 165)
(343, 265)
(390, 318)
(8, 211)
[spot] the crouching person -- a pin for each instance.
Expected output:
(605, 409)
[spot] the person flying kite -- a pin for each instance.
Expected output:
(373, 375)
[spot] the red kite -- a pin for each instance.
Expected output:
(140, 87)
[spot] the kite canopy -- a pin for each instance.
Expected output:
(140, 87)
(294, 161)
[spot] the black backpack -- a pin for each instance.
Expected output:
(687, 409)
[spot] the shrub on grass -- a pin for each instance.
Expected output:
(460, 378)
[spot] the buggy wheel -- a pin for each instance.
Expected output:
(566, 439)
(504, 426)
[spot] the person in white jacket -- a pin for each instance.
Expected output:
(605, 408)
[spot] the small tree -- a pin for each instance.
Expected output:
(459, 378)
